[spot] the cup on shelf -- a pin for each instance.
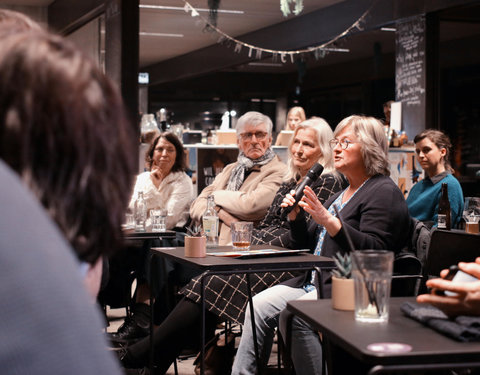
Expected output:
(372, 274)
(241, 235)
(159, 220)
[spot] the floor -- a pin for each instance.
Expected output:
(185, 366)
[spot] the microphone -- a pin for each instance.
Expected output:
(311, 176)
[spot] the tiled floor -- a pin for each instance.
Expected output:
(185, 366)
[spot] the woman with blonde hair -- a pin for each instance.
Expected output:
(309, 145)
(294, 117)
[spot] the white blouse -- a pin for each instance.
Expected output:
(175, 194)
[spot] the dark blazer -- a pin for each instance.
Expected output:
(376, 217)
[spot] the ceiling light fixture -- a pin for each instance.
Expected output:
(165, 7)
(144, 33)
(264, 64)
(388, 29)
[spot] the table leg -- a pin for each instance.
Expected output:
(254, 331)
(202, 350)
(151, 316)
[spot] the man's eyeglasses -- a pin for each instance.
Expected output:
(343, 144)
(258, 135)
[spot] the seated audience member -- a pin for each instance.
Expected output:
(56, 133)
(309, 146)
(373, 211)
(432, 148)
(467, 302)
(294, 117)
(244, 190)
(165, 186)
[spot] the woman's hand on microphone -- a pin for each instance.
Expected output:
(288, 201)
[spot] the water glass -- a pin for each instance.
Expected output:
(159, 220)
(241, 235)
(129, 221)
(372, 274)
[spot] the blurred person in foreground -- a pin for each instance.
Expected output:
(373, 211)
(244, 190)
(226, 296)
(63, 130)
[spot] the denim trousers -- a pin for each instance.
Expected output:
(267, 307)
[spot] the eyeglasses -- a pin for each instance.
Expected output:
(343, 144)
(258, 135)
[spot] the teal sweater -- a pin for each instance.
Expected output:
(423, 199)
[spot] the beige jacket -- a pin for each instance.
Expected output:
(250, 203)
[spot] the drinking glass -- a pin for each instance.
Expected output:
(241, 235)
(159, 220)
(372, 274)
(471, 214)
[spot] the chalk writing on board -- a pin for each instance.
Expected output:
(410, 62)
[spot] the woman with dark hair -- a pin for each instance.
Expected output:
(166, 185)
(432, 148)
(64, 131)
(56, 133)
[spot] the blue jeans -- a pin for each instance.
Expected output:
(267, 307)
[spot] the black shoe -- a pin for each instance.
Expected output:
(129, 331)
(126, 360)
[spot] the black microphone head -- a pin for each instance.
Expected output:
(315, 171)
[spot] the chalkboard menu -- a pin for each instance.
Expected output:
(410, 74)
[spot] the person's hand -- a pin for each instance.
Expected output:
(288, 201)
(311, 204)
(467, 300)
(156, 174)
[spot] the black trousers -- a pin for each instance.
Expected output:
(181, 329)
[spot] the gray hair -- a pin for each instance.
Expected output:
(324, 134)
(371, 136)
(255, 119)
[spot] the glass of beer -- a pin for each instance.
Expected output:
(241, 235)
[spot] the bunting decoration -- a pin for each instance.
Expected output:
(284, 56)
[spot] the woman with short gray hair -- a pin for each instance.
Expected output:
(375, 215)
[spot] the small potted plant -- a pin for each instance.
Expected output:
(343, 290)
(195, 243)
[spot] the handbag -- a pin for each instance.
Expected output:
(219, 353)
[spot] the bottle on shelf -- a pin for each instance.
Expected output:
(444, 210)
(210, 223)
(140, 212)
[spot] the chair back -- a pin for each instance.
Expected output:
(448, 247)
